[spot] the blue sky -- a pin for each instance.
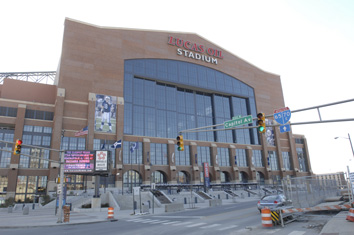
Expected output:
(309, 43)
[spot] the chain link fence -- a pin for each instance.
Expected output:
(309, 191)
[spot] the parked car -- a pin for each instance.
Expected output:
(273, 202)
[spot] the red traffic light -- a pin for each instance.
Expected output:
(18, 146)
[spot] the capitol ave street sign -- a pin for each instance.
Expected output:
(238, 121)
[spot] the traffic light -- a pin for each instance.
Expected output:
(261, 125)
(18, 146)
(180, 143)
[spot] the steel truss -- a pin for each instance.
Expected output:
(45, 77)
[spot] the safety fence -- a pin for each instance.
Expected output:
(309, 191)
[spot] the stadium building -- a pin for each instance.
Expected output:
(143, 88)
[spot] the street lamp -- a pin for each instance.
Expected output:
(350, 141)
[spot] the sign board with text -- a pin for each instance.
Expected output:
(86, 162)
(79, 162)
(238, 121)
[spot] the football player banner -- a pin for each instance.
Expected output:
(105, 113)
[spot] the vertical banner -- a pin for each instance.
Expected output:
(206, 175)
(105, 113)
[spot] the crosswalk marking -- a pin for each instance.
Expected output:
(148, 221)
(189, 224)
(195, 225)
(211, 226)
(172, 222)
(160, 221)
(181, 224)
(229, 227)
(135, 220)
(297, 233)
(274, 231)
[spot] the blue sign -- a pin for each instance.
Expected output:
(282, 116)
(284, 128)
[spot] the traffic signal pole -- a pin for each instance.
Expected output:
(201, 129)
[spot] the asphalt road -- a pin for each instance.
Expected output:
(238, 218)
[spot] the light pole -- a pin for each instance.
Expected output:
(350, 141)
(351, 145)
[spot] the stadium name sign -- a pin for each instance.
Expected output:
(195, 51)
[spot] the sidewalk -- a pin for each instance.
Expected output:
(46, 216)
(338, 225)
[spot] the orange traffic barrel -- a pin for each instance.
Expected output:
(350, 215)
(110, 213)
(266, 218)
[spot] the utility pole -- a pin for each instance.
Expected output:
(60, 219)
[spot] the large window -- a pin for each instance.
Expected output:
(29, 186)
(286, 160)
(158, 154)
(8, 111)
(157, 103)
(182, 157)
(302, 159)
(5, 157)
(38, 136)
(3, 184)
(203, 155)
(257, 158)
(241, 158)
(223, 157)
(132, 155)
(38, 114)
(273, 162)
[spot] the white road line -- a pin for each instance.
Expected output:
(135, 220)
(195, 225)
(172, 222)
(211, 226)
(297, 233)
(181, 224)
(273, 231)
(148, 221)
(160, 221)
(229, 227)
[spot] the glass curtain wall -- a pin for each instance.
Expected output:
(158, 105)
(5, 157)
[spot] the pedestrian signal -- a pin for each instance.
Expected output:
(18, 146)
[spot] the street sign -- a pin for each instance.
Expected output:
(282, 116)
(284, 128)
(238, 121)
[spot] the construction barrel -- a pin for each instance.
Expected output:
(266, 218)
